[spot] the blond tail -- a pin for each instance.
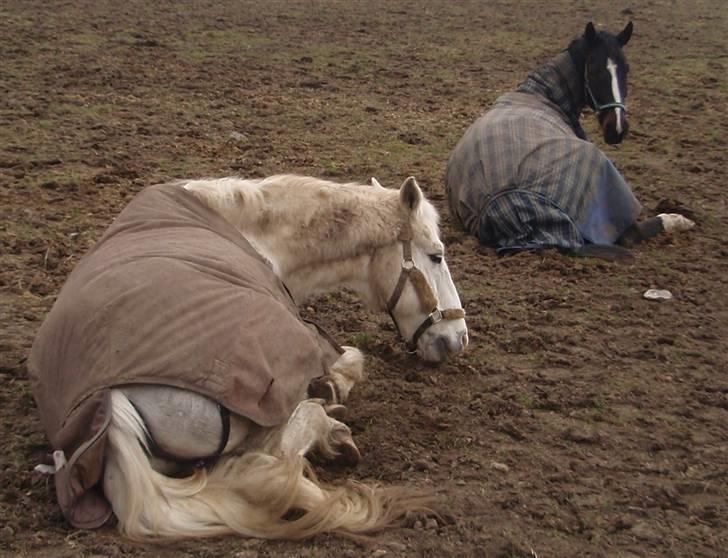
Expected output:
(252, 495)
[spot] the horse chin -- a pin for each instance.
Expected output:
(436, 349)
(432, 356)
(608, 124)
(612, 138)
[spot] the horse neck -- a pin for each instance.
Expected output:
(319, 236)
(577, 53)
(561, 81)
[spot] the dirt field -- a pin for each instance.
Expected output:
(582, 421)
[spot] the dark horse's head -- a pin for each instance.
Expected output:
(605, 79)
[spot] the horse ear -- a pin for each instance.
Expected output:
(374, 182)
(590, 34)
(410, 194)
(626, 33)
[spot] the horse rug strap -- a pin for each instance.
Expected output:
(425, 294)
(171, 295)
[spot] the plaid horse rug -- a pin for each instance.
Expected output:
(524, 177)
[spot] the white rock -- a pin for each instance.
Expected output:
(502, 467)
(657, 294)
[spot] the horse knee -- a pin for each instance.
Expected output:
(347, 371)
(350, 364)
(334, 387)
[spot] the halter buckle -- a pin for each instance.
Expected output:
(408, 265)
(436, 316)
(409, 348)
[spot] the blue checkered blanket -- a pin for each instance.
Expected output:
(524, 176)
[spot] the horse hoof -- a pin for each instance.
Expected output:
(336, 411)
(347, 454)
(322, 388)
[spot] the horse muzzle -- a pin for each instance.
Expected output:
(436, 347)
(614, 125)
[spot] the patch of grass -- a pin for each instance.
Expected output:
(59, 180)
(210, 44)
(361, 340)
(525, 400)
(81, 108)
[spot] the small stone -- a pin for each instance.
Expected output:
(502, 467)
(418, 525)
(620, 524)
(104, 179)
(237, 136)
(431, 524)
(645, 531)
(421, 465)
(581, 436)
(379, 553)
(657, 294)
(397, 546)
(7, 532)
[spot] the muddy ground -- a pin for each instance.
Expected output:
(583, 420)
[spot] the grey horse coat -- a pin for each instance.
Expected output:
(524, 177)
(173, 295)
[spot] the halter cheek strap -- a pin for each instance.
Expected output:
(426, 296)
(597, 107)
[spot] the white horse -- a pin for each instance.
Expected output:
(381, 243)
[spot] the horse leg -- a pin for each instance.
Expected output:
(184, 426)
(674, 222)
(249, 494)
(310, 431)
(650, 228)
(335, 386)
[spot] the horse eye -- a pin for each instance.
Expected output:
(436, 258)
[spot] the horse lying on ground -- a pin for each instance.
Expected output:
(524, 177)
(180, 387)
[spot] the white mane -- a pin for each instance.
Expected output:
(297, 221)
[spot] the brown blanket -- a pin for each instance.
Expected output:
(172, 294)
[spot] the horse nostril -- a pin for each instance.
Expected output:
(442, 344)
(451, 345)
(464, 340)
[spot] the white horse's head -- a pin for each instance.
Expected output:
(411, 280)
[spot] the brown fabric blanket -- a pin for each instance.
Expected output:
(172, 294)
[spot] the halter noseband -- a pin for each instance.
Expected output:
(597, 107)
(424, 294)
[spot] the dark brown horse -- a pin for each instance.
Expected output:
(524, 176)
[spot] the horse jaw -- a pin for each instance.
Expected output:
(306, 281)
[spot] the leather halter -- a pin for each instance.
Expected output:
(424, 294)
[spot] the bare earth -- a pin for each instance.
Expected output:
(582, 421)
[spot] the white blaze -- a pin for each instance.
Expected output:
(612, 68)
